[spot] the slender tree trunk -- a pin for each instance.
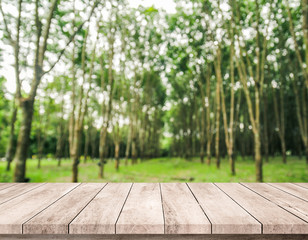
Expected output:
(218, 86)
(202, 131)
(93, 143)
(258, 158)
(76, 152)
(229, 128)
(87, 143)
(21, 155)
(10, 149)
(208, 119)
(39, 146)
(134, 123)
(279, 125)
(128, 145)
(117, 155)
(301, 116)
(60, 139)
(134, 150)
(102, 148)
(265, 126)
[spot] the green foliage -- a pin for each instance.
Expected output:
(165, 170)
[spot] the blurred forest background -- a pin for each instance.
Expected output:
(114, 91)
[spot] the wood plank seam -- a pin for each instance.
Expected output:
(68, 226)
(241, 207)
(274, 203)
(162, 205)
(22, 225)
(115, 225)
(300, 185)
(9, 186)
(21, 193)
(200, 207)
(287, 192)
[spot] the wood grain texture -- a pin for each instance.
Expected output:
(56, 218)
(292, 189)
(20, 209)
(289, 202)
(226, 216)
(181, 211)
(6, 185)
(100, 216)
(142, 212)
(156, 237)
(17, 190)
(305, 185)
(127, 211)
(274, 219)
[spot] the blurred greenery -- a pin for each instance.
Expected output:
(165, 170)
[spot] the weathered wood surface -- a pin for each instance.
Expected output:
(51, 222)
(160, 211)
(21, 209)
(288, 202)
(293, 189)
(225, 215)
(6, 185)
(142, 212)
(305, 185)
(101, 215)
(16, 190)
(182, 214)
(274, 219)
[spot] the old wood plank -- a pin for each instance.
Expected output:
(226, 216)
(100, 216)
(142, 212)
(20, 209)
(6, 185)
(181, 211)
(17, 190)
(56, 218)
(305, 185)
(274, 219)
(292, 189)
(289, 202)
(156, 237)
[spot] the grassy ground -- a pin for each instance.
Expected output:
(165, 170)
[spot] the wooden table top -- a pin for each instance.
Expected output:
(154, 208)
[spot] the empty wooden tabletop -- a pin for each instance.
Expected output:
(153, 208)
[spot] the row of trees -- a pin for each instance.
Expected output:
(101, 79)
(246, 68)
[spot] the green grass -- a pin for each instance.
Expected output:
(165, 170)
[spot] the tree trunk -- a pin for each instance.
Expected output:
(208, 123)
(10, 149)
(21, 155)
(218, 86)
(117, 155)
(258, 158)
(301, 117)
(265, 126)
(102, 147)
(134, 150)
(202, 135)
(60, 143)
(93, 143)
(128, 145)
(87, 143)
(76, 152)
